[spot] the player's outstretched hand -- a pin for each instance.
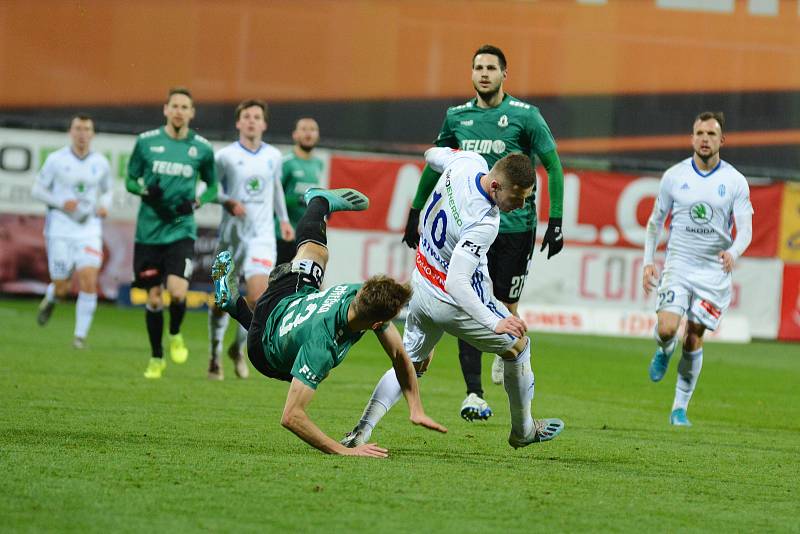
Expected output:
(427, 422)
(726, 259)
(553, 238)
(368, 449)
(511, 325)
(234, 207)
(411, 235)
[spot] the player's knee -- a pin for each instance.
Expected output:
(516, 348)
(667, 331)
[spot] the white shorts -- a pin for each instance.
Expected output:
(700, 304)
(66, 254)
(252, 257)
(428, 318)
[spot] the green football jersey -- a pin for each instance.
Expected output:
(175, 164)
(306, 335)
(297, 176)
(513, 126)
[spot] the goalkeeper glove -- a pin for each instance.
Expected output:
(185, 208)
(154, 191)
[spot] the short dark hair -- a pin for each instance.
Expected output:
(179, 91)
(81, 116)
(381, 298)
(249, 104)
(493, 50)
(708, 115)
(517, 169)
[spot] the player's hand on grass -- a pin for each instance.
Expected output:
(234, 207)
(553, 237)
(511, 325)
(726, 259)
(425, 421)
(411, 235)
(649, 278)
(70, 205)
(368, 449)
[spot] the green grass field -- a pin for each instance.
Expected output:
(87, 444)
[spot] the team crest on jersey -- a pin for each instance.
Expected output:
(80, 188)
(192, 152)
(701, 213)
(503, 122)
(685, 187)
(254, 185)
(721, 190)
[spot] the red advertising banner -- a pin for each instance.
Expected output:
(600, 208)
(790, 304)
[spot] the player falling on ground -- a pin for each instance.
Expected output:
(495, 124)
(298, 333)
(704, 195)
(163, 170)
(453, 290)
(75, 184)
(249, 173)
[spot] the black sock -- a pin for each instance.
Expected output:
(243, 315)
(176, 312)
(470, 359)
(312, 226)
(155, 330)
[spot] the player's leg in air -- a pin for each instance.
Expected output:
(311, 248)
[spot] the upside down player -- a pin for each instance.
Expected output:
(298, 333)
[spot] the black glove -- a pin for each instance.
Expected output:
(411, 236)
(185, 208)
(154, 192)
(553, 237)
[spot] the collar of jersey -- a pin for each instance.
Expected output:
(712, 171)
(248, 150)
(478, 185)
(506, 97)
(74, 155)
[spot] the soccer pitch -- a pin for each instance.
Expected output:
(87, 444)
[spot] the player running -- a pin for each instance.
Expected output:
(75, 184)
(704, 195)
(249, 173)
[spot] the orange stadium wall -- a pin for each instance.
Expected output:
(120, 52)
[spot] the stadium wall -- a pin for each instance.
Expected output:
(592, 287)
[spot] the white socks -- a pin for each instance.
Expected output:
(84, 312)
(50, 292)
(688, 371)
(216, 333)
(518, 382)
(386, 394)
(241, 338)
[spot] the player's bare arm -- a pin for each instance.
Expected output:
(392, 343)
(296, 420)
(649, 278)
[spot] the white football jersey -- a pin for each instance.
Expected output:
(254, 179)
(458, 215)
(702, 206)
(64, 176)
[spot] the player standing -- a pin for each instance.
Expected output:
(163, 170)
(75, 184)
(452, 286)
(494, 124)
(301, 171)
(705, 195)
(249, 173)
